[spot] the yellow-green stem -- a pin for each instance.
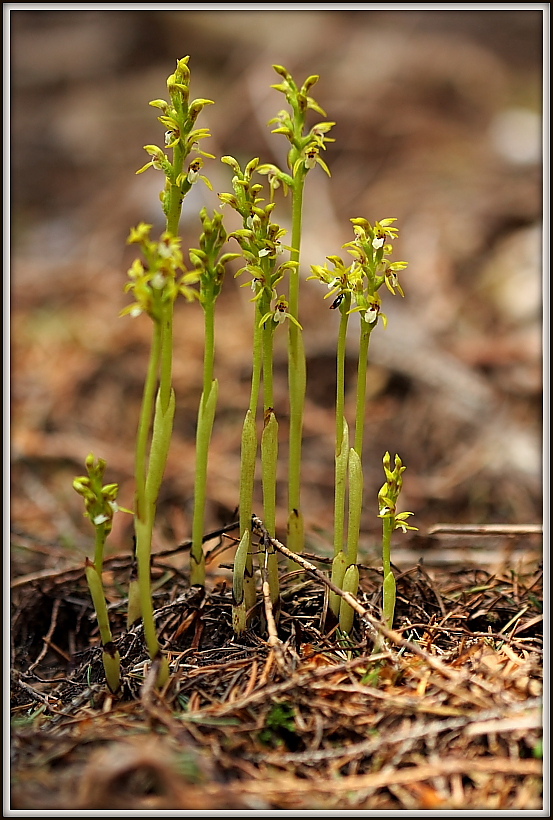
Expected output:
(144, 530)
(174, 194)
(350, 584)
(339, 566)
(387, 529)
(100, 540)
(145, 420)
(206, 417)
(296, 375)
(95, 585)
(366, 330)
(342, 444)
(269, 457)
(389, 581)
(355, 481)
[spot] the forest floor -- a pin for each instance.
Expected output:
(447, 714)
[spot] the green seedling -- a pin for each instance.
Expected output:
(100, 504)
(391, 520)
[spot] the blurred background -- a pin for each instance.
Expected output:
(438, 123)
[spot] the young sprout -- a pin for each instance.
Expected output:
(100, 504)
(391, 520)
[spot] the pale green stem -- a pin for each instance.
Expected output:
(175, 195)
(355, 480)
(166, 357)
(296, 377)
(342, 448)
(350, 584)
(95, 585)
(100, 530)
(339, 567)
(387, 529)
(248, 456)
(203, 439)
(159, 447)
(239, 609)
(144, 531)
(389, 581)
(340, 490)
(269, 445)
(143, 519)
(110, 656)
(246, 496)
(145, 420)
(148, 491)
(362, 387)
(341, 369)
(269, 452)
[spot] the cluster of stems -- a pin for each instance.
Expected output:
(304, 154)
(354, 289)
(259, 240)
(156, 283)
(160, 276)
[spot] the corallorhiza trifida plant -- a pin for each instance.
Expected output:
(160, 276)
(354, 289)
(100, 505)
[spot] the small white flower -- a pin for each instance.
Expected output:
(377, 242)
(372, 313)
(158, 281)
(135, 311)
(264, 252)
(100, 519)
(164, 250)
(311, 158)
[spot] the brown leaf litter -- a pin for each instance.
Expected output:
(290, 715)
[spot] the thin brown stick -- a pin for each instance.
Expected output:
(48, 637)
(273, 640)
(485, 529)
